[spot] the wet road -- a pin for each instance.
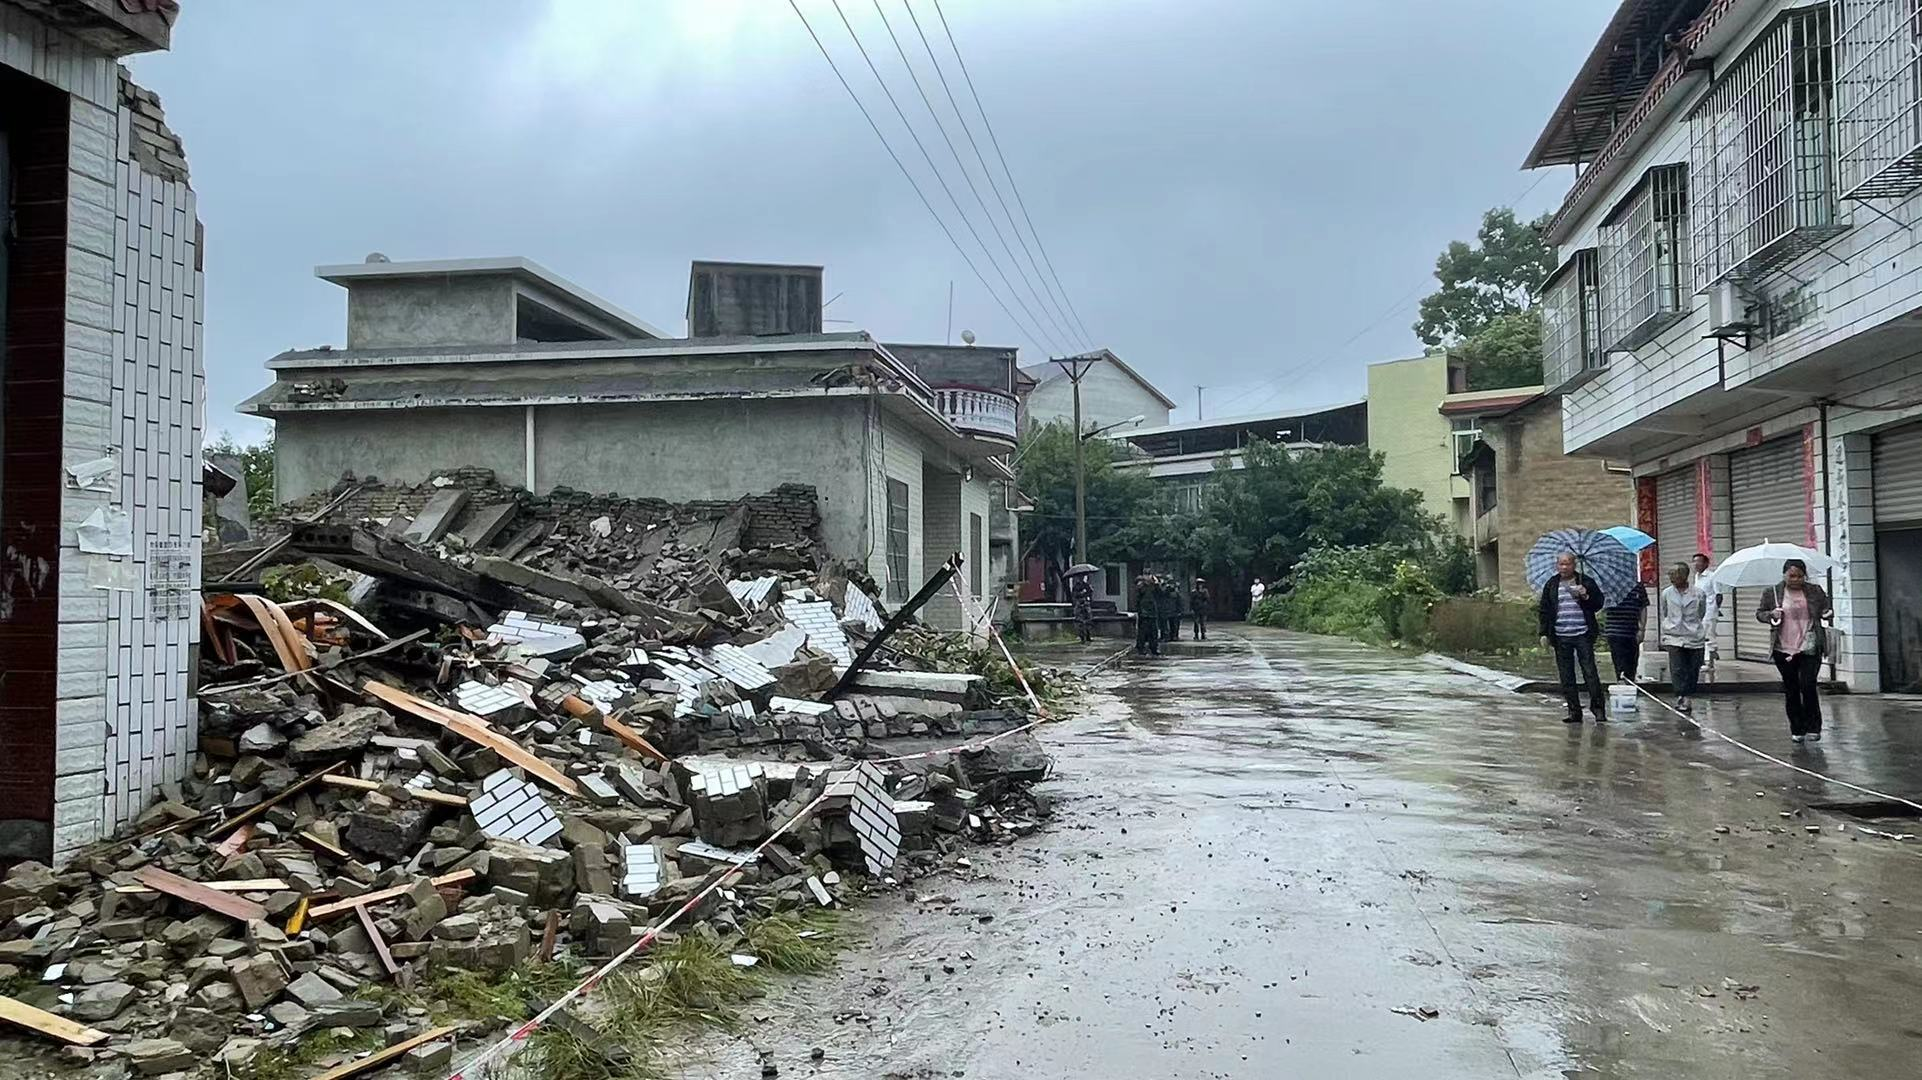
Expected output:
(1269, 845)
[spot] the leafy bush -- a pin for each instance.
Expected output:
(1475, 624)
(1404, 602)
(1346, 608)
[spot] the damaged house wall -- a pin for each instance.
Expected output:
(314, 450)
(436, 311)
(94, 645)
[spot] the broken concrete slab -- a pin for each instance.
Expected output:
(437, 518)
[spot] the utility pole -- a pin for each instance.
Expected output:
(1076, 367)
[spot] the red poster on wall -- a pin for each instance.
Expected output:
(1704, 508)
(1645, 521)
(1808, 482)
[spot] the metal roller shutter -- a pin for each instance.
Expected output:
(1897, 461)
(1768, 500)
(1674, 519)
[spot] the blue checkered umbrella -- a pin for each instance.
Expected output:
(1597, 554)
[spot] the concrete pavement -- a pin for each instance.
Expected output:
(1272, 849)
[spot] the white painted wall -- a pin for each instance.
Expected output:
(1108, 396)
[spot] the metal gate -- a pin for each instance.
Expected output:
(1768, 500)
(1896, 458)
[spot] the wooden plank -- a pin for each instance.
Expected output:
(57, 1027)
(194, 892)
(232, 845)
(265, 805)
(355, 783)
(298, 919)
(267, 884)
(633, 739)
(382, 1057)
(475, 730)
(335, 850)
(380, 943)
(321, 911)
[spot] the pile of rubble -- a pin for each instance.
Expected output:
(509, 730)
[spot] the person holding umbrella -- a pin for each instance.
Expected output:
(1795, 610)
(1566, 612)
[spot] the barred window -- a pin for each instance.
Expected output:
(1878, 97)
(1646, 282)
(1571, 323)
(897, 541)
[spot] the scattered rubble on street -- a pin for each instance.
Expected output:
(492, 728)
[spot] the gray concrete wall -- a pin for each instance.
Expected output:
(312, 450)
(713, 450)
(1108, 396)
(441, 311)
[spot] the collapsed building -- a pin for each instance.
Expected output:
(457, 726)
(503, 365)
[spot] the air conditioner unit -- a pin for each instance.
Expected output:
(1728, 311)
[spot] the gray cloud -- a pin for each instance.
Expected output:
(1230, 191)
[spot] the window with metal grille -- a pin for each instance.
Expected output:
(1571, 324)
(897, 541)
(974, 553)
(1761, 155)
(1878, 97)
(1646, 284)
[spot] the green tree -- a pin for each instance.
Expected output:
(1279, 505)
(1116, 499)
(1507, 352)
(1486, 308)
(257, 465)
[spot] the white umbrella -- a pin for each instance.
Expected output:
(1761, 566)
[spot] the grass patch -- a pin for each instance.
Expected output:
(796, 944)
(289, 1062)
(560, 1054)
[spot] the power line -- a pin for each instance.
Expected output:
(938, 177)
(1033, 338)
(995, 141)
(982, 160)
(915, 78)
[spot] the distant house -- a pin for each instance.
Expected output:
(1112, 393)
(501, 364)
(1420, 447)
(1521, 485)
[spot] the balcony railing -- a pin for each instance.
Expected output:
(987, 413)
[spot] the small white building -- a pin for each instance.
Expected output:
(1112, 393)
(100, 379)
(1738, 311)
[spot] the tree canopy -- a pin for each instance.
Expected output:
(1486, 308)
(1267, 514)
(1115, 498)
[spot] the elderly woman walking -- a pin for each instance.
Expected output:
(1795, 611)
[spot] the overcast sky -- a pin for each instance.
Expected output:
(1246, 195)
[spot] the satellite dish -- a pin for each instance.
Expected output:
(377, 257)
(967, 337)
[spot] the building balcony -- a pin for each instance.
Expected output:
(1488, 527)
(984, 414)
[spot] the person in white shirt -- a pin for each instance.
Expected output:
(1255, 593)
(1685, 609)
(1702, 576)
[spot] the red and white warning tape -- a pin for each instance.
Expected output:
(1765, 756)
(481, 1064)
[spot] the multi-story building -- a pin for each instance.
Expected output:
(100, 380)
(1418, 444)
(501, 364)
(1112, 395)
(1520, 485)
(1738, 310)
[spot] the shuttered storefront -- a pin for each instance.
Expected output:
(1674, 529)
(1768, 500)
(1674, 519)
(1896, 457)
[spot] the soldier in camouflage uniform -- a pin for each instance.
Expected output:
(1081, 595)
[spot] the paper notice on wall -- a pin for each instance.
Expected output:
(170, 579)
(98, 474)
(104, 572)
(107, 531)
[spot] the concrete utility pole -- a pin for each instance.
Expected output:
(1076, 368)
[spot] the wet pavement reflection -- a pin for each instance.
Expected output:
(1277, 855)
